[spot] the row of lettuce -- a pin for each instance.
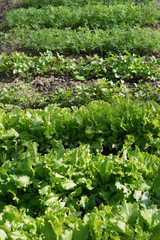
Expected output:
(99, 124)
(72, 194)
(89, 173)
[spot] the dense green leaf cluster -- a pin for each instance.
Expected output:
(70, 193)
(99, 124)
(40, 3)
(98, 16)
(81, 191)
(114, 67)
(135, 40)
(21, 64)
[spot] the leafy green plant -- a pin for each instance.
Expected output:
(90, 171)
(98, 16)
(73, 193)
(98, 124)
(114, 67)
(65, 173)
(125, 66)
(23, 65)
(39, 3)
(23, 96)
(138, 40)
(79, 95)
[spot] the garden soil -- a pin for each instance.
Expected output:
(46, 84)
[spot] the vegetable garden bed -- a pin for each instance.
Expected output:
(80, 121)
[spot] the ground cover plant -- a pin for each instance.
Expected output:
(39, 3)
(83, 162)
(24, 97)
(98, 16)
(134, 40)
(114, 67)
(115, 28)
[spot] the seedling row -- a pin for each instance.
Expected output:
(115, 67)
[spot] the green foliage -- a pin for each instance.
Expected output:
(98, 16)
(23, 96)
(73, 194)
(91, 172)
(39, 3)
(101, 125)
(103, 90)
(84, 40)
(100, 90)
(20, 64)
(114, 67)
